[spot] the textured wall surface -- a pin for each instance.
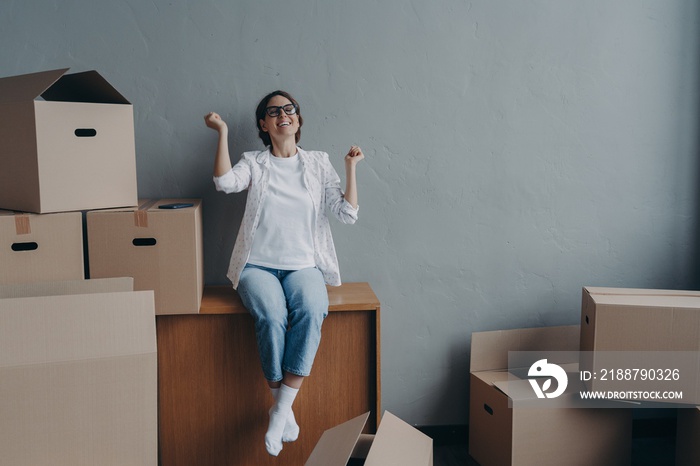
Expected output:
(516, 150)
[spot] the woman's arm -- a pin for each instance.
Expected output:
(226, 178)
(351, 160)
(222, 162)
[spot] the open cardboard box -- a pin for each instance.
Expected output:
(501, 433)
(78, 374)
(395, 444)
(40, 247)
(160, 248)
(66, 143)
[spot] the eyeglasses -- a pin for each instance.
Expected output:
(289, 109)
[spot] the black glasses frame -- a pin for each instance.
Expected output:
(289, 109)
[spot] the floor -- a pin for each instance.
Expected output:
(652, 446)
(646, 452)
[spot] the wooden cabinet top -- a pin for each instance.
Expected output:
(346, 297)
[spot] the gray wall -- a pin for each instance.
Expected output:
(516, 150)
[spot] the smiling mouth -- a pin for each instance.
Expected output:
(286, 123)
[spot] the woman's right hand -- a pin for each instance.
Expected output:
(222, 164)
(214, 121)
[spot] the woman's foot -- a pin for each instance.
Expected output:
(279, 414)
(291, 428)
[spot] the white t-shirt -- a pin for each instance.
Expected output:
(284, 238)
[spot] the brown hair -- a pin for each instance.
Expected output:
(260, 115)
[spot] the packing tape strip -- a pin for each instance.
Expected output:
(22, 224)
(141, 214)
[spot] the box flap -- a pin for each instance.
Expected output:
(501, 378)
(27, 86)
(491, 377)
(607, 291)
(337, 444)
(516, 389)
(40, 330)
(54, 288)
(88, 87)
(399, 444)
(668, 301)
(518, 386)
(489, 350)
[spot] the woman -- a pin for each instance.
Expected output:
(284, 254)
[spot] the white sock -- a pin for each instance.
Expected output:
(291, 428)
(278, 419)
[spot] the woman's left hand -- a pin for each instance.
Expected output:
(354, 155)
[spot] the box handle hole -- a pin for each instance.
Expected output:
(586, 320)
(488, 409)
(144, 242)
(86, 132)
(30, 246)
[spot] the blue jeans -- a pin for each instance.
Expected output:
(288, 308)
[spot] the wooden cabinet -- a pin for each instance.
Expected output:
(213, 398)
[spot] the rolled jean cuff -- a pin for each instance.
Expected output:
(296, 372)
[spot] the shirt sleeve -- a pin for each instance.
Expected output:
(235, 180)
(335, 200)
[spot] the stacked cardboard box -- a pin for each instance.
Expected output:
(160, 247)
(78, 366)
(660, 325)
(66, 146)
(647, 323)
(37, 247)
(67, 143)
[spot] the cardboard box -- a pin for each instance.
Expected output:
(160, 248)
(395, 444)
(78, 378)
(66, 143)
(625, 319)
(645, 324)
(41, 247)
(503, 435)
(688, 437)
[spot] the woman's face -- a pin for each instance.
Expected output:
(281, 126)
